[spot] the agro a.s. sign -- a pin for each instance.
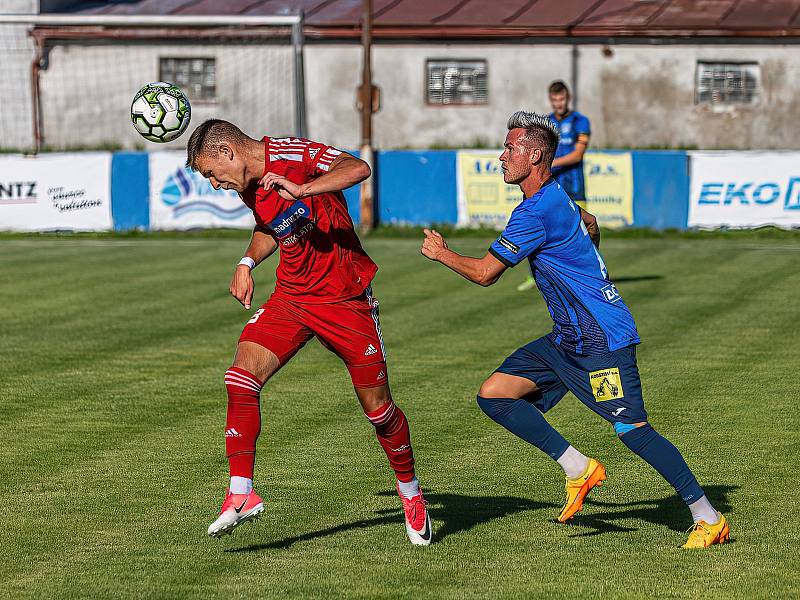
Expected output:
(744, 189)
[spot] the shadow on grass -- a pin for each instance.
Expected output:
(457, 512)
(636, 278)
(669, 511)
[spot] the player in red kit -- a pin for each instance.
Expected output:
(293, 186)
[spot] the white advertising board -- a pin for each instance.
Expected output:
(183, 199)
(56, 192)
(744, 189)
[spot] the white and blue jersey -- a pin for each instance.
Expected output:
(588, 313)
(571, 176)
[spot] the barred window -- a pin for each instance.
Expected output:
(457, 82)
(727, 83)
(196, 76)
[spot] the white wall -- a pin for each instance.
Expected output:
(518, 76)
(87, 90)
(644, 96)
(16, 55)
(639, 96)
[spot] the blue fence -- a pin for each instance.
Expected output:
(420, 188)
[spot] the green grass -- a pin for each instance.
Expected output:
(112, 407)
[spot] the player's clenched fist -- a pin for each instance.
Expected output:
(242, 285)
(433, 245)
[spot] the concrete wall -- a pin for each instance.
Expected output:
(640, 96)
(16, 55)
(643, 96)
(87, 90)
(518, 76)
(635, 96)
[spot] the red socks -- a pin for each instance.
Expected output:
(243, 425)
(244, 421)
(391, 427)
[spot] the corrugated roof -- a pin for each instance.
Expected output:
(479, 18)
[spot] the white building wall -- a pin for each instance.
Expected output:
(518, 76)
(644, 96)
(16, 57)
(87, 89)
(638, 96)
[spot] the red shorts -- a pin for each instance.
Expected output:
(349, 328)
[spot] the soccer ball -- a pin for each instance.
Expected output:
(160, 112)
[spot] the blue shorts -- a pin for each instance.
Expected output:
(607, 383)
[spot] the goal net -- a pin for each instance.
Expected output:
(70, 80)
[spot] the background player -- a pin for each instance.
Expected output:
(293, 186)
(592, 348)
(567, 168)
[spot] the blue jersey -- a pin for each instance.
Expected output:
(571, 176)
(588, 312)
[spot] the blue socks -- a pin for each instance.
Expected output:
(664, 458)
(524, 420)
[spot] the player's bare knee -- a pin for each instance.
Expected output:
(372, 399)
(255, 359)
(622, 428)
(492, 388)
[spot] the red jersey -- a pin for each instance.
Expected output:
(321, 258)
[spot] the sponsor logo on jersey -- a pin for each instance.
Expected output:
(293, 223)
(313, 153)
(610, 292)
(381, 375)
(606, 385)
(370, 350)
(508, 244)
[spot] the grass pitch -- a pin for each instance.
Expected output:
(112, 409)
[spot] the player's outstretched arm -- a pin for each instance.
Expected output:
(591, 226)
(262, 245)
(346, 170)
(483, 271)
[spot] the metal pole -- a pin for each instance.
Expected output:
(299, 79)
(574, 76)
(36, 106)
(367, 212)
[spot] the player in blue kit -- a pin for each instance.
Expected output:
(567, 168)
(592, 348)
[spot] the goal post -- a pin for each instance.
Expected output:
(83, 71)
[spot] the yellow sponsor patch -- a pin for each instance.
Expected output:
(606, 385)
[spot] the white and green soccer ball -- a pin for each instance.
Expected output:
(160, 112)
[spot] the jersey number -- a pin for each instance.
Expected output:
(256, 315)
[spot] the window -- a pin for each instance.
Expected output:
(457, 82)
(727, 83)
(196, 76)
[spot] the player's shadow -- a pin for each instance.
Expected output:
(634, 278)
(604, 517)
(454, 513)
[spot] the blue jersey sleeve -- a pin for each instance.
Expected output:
(582, 126)
(523, 235)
